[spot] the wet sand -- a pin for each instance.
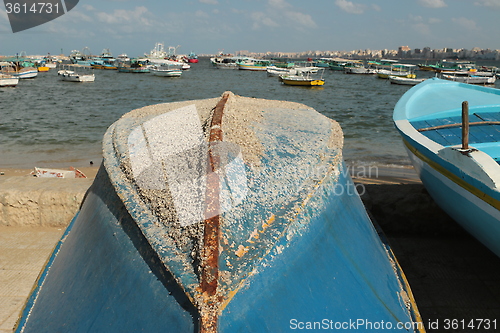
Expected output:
(454, 278)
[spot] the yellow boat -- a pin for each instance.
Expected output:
(43, 68)
(302, 82)
(303, 79)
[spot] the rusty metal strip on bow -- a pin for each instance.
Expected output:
(211, 238)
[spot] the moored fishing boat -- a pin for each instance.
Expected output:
(226, 61)
(323, 62)
(452, 65)
(132, 69)
(296, 69)
(20, 71)
(6, 77)
(69, 74)
(470, 77)
(339, 64)
(359, 70)
(405, 80)
(133, 66)
(220, 215)
(167, 69)
(254, 64)
(306, 78)
(7, 80)
(437, 128)
(401, 70)
(26, 73)
(192, 58)
(388, 64)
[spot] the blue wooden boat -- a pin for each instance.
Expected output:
(230, 214)
(464, 180)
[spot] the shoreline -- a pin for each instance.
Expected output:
(365, 174)
(90, 172)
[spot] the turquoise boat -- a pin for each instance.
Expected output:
(254, 64)
(228, 214)
(455, 149)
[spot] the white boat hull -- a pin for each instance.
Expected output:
(404, 80)
(166, 73)
(77, 77)
(359, 70)
(462, 205)
(470, 79)
(27, 74)
(226, 66)
(8, 80)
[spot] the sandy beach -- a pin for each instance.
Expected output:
(452, 276)
(90, 172)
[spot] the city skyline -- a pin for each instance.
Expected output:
(211, 26)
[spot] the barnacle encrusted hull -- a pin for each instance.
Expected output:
(230, 214)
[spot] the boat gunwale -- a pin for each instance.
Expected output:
(427, 150)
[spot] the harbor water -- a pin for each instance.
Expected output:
(46, 122)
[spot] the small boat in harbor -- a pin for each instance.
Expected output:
(42, 68)
(296, 69)
(70, 74)
(167, 69)
(407, 81)
(451, 66)
(227, 214)
(357, 67)
(133, 66)
(401, 70)
(451, 132)
(304, 78)
(49, 61)
(7, 80)
(226, 61)
(471, 77)
(192, 58)
(83, 58)
(104, 61)
(21, 70)
(6, 77)
(252, 64)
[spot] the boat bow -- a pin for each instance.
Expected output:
(221, 215)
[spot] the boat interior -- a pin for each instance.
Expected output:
(484, 130)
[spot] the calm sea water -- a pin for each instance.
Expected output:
(46, 122)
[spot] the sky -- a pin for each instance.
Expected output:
(210, 26)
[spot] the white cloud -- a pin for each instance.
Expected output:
(279, 4)
(350, 7)
(433, 3)
(421, 24)
(422, 28)
(201, 14)
(302, 19)
(465, 23)
(119, 16)
(260, 20)
(376, 8)
(210, 2)
(279, 13)
(488, 3)
(80, 16)
(417, 19)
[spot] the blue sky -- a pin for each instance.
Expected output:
(209, 26)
